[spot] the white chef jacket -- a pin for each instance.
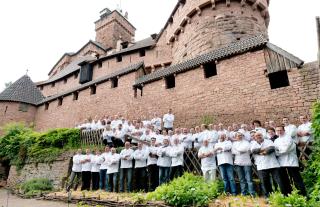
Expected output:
(187, 140)
(264, 162)
(195, 139)
(177, 155)
(207, 163)
(156, 123)
(164, 159)
(241, 150)
(86, 167)
(246, 134)
(95, 163)
(126, 163)
(76, 165)
(305, 128)
(152, 160)
(263, 131)
(291, 130)
(224, 156)
(286, 151)
(140, 157)
(104, 159)
(214, 136)
(113, 163)
(168, 120)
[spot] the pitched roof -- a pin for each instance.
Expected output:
(232, 49)
(71, 68)
(121, 72)
(23, 90)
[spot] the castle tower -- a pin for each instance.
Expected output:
(112, 27)
(199, 26)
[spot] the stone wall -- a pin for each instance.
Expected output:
(57, 172)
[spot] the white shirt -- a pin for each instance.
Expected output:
(195, 139)
(159, 138)
(207, 163)
(140, 157)
(107, 135)
(86, 163)
(286, 151)
(264, 162)
(104, 159)
(263, 131)
(95, 163)
(204, 135)
(168, 120)
(115, 123)
(187, 140)
(241, 150)
(305, 128)
(76, 165)
(224, 156)
(291, 130)
(156, 123)
(152, 160)
(177, 155)
(164, 159)
(120, 134)
(113, 163)
(214, 136)
(128, 162)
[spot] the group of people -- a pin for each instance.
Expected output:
(159, 154)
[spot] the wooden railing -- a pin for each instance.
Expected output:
(191, 161)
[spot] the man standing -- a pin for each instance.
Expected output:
(76, 170)
(208, 161)
(86, 170)
(126, 156)
(113, 169)
(168, 120)
(104, 181)
(289, 163)
(304, 131)
(164, 161)
(177, 151)
(153, 169)
(140, 156)
(290, 129)
(156, 122)
(95, 169)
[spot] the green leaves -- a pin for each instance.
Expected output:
(294, 200)
(188, 190)
(36, 187)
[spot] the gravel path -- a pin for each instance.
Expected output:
(15, 201)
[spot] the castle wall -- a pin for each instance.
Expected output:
(239, 93)
(10, 113)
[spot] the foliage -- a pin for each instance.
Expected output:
(36, 187)
(81, 204)
(207, 119)
(20, 144)
(187, 190)
(294, 200)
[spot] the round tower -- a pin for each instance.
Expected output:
(199, 26)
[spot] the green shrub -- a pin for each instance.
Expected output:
(294, 200)
(207, 119)
(187, 190)
(36, 187)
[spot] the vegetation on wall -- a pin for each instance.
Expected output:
(21, 144)
(36, 187)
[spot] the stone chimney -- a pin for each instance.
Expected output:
(318, 31)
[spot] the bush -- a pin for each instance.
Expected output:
(294, 200)
(35, 187)
(20, 144)
(187, 190)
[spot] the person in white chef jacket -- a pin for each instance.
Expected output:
(156, 122)
(76, 171)
(208, 161)
(304, 131)
(168, 120)
(288, 160)
(267, 163)
(140, 168)
(164, 161)
(126, 156)
(177, 151)
(113, 170)
(290, 129)
(225, 162)
(95, 169)
(86, 170)
(104, 158)
(153, 169)
(243, 164)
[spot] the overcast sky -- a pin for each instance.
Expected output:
(36, 33)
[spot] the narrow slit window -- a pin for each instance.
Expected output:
(170, 81)
(119, 58)
(60, 100)
(114, 82)
(142, 53)
(210, 69)
(76, 75)
(65, 81)
(279, 79)
(93, 90)
(75, 96)
(46, 106)
(100, 64)
(53, 84)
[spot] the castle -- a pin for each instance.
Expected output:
(212, 58)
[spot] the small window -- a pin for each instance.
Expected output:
(41, 88)
(119, 58)
(53, 84)
(114, 82)
(75, 96)
(279, 79)
(60, 100)
(65, 80)
(100, 64)
(93, 90)
(210, 69)
(142, 53)
(170, 82)
(46, 106)
(23, 107)
(76, 75)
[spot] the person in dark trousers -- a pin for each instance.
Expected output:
(140, 156)
(86, 170)
(289, 163)
(177, 151)
(103, 169)
(113, 170)
(153, 169)
(76, 171)
(95, 170)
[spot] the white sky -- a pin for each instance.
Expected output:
(36, 33)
